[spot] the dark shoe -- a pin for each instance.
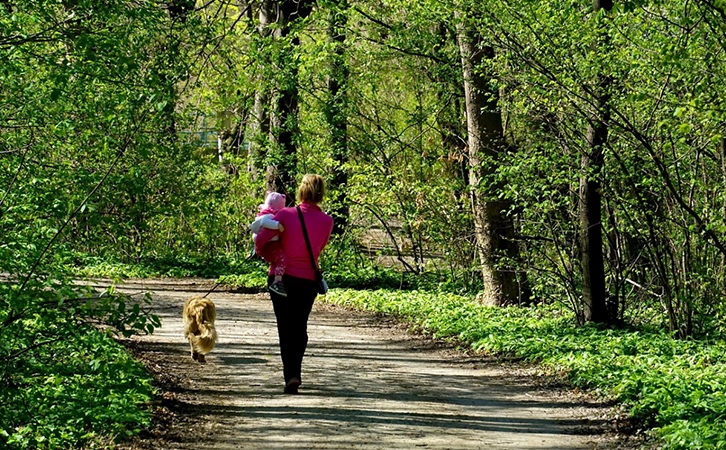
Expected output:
(278, 288)
(291, 386)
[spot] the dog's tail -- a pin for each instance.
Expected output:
(207, 333)
(206, 338)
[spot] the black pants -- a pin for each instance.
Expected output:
(292, 314)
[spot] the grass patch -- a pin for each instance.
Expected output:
(676, 388)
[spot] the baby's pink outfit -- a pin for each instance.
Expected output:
(272, 250)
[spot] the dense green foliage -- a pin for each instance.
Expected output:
(65, 383)
(83, 90)
(110, 164)
(678, 387)
(82, 389)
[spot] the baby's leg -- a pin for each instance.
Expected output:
(280, 264)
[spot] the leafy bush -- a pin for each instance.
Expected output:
(64, 383)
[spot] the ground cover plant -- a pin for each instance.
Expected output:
(181, 267)
(65, 382)
(677, 388)
(75, 394)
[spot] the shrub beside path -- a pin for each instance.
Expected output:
(367, 384)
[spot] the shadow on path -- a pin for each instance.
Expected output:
(366, 385)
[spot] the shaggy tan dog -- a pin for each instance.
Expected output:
(199, 314)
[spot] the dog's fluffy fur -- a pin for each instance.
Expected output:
(199, 314)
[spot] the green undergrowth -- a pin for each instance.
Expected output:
(250, 273)
(161, 267)
(676, 388)
(64, 381)
(343, 265)
(254, 281)
(81, 391)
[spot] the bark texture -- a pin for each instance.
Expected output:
(336, 115)
(594, 295)
(493, 227)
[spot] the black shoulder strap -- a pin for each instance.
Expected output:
(307, 239)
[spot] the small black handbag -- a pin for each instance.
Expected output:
(322, 284)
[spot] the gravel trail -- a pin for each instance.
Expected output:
(367, 384)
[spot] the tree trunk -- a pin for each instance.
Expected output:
(493, 227)
(282, 156)
(590, 201)
(260, 121)
(284, 128)
(336, 114)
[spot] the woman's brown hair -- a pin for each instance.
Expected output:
(312, 189)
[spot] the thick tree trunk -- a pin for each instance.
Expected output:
(336, 114)
(493, 227)
(284, 124)
(590, 201)
(284, 128)
(590, 213)
(260, 121)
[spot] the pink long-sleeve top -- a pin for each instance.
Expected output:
(319, 226)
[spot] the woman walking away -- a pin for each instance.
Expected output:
(300, 277)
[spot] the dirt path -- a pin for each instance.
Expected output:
(367, 385)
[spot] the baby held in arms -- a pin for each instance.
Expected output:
(272, 251)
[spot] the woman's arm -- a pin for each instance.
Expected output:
(265, 235)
